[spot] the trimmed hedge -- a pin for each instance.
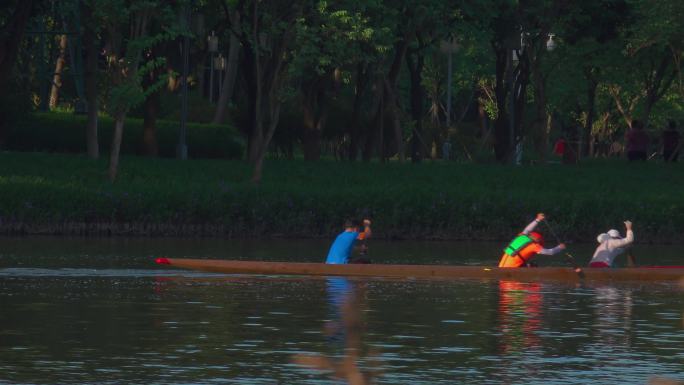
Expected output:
(66, 194)
(63, 132)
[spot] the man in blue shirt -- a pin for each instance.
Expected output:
(344, 243)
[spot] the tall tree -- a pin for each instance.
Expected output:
(92, 52)
(59, 68)
(589, 44)
(127, 38)
(538, 22)
(429, 23)
(11, 34)
(266, 32)
(505, 36)
(328, 44)
(232, 62)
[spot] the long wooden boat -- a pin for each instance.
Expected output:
(641, 274)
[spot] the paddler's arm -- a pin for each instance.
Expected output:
(533, 224)
(366, 233)
(553, 251)
(627, 240)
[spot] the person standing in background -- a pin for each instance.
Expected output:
(636, 141)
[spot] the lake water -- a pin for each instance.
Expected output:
(84, 310)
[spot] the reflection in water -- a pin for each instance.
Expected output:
(664, 381)
(344, 332)
(520, 307)
(613, 324)
(88, 315)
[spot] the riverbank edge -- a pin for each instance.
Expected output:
(57, 194)
(222, 231)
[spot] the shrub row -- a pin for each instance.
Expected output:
(296, 198)
(64, 132)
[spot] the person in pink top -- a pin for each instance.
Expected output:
(636, 141)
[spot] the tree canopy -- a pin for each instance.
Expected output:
(343, 78)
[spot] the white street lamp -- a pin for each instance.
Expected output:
(212, 42)
(551, 44)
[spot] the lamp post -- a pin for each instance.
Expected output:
(513, 44)
(449, 47)
(212, 47)
(220, 66)
(182, 149)
(516, 144)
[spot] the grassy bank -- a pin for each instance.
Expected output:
(46, 193)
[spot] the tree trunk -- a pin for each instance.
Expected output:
(57, 76)
(314, 114)
(378, 121)
(90, 80)
(116, 145)
(541, 128)
(11, 36)
(522, 80)
(627, 112)
(502, 142)
(658, 85)
(355, 130)
(311, 141)
(229, 82)
(255, 143)
(587, 138)
(390, 101)
(274, 116)
(268, 72)
(257, 172)
(250, 84)
(391, 108)
(417, 100)
(150, 112)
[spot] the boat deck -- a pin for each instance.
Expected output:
(642, 274)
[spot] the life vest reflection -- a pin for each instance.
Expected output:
(520, 314)
(344, 332)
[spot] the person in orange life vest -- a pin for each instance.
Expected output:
(526, 245)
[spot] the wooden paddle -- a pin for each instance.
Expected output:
(569, 256)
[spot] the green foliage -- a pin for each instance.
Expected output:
(15, 104)
(338, 34)
(445, 200)
(129, 38)
(54, 132)
(616, 44)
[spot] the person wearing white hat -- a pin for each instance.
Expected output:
(602, 238)
(611, 245)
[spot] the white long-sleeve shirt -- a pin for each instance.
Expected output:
(529, 228)
(611, 248)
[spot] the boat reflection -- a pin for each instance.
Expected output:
(664, 381)
(344, 332)
(613, 322)
(520, 314)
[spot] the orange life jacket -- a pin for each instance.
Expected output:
(520, 255)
